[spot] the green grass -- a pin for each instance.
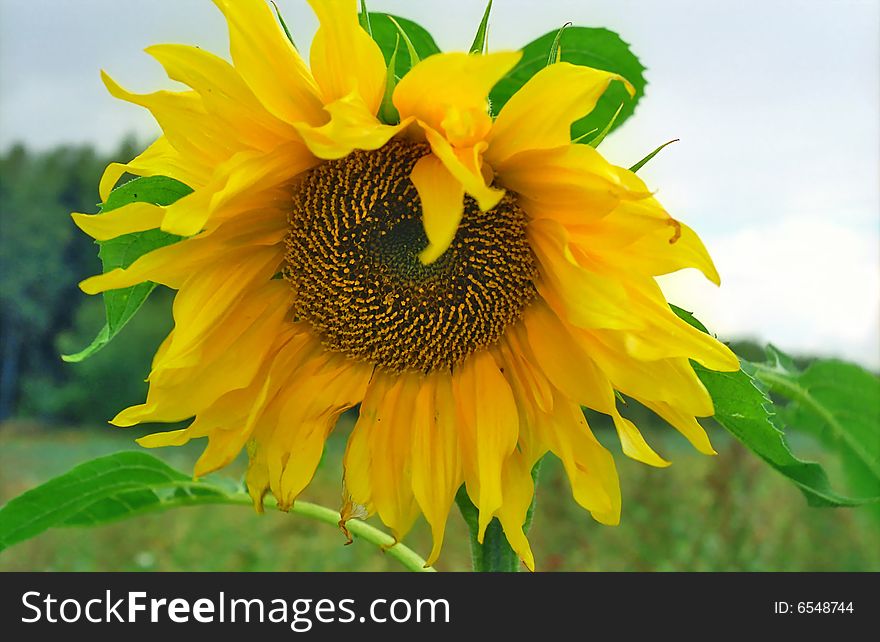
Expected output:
(724, 513)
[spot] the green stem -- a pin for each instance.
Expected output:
(403, 554)
(494, 555)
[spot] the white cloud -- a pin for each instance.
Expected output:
(804, 284)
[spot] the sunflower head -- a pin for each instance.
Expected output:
(471, 279)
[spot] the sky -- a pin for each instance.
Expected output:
(776, 104)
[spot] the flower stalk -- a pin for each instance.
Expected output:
(360, 529)
(494, 554)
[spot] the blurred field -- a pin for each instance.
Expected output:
(725, 513)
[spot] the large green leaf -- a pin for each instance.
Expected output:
(104, 489)
(744, 409)
(120, 252)
(837, 402)
(127, 484)
(385, 34)
(598, 48)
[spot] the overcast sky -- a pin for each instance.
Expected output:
(776, 103)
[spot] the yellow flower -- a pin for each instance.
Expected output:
(470, 281)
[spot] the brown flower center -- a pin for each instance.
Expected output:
(353, 260)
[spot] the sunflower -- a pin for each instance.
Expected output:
(470, 280)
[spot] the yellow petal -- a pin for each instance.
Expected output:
(562, 360)
(686, 424)
(572, 184)
(352, 126)
(466, 165)
(488, 433)
(449, 93)
(570, 369)
(519, 489)
(236, 240)
(436, 459)
(159, 159)
(357, 461)
(669, 380)
(590, 467)
(674, 249)
(269, 63)
(184, 121)
(633, 443)
(229, 421)
(442, 198)
(581, 296)
(540, 114)
(231, 360)
(224, 94)
(668, 336)
(135, 217)
(391, 452)
(530, 385)
(162, 439)
(642, 237)
(206, 308)
(344, 58)
(295, 347)
(238, 183)
(316, 401)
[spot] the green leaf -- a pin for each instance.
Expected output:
(836, 402)
(122, 304)
(598, 48)
(385, 33)
(647, 158)
(364, 18)
(689, 317)
(479, 44)
(127, 484)
(744, 409)
(104, 489)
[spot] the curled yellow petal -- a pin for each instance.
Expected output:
(352, 126)
(269, 64)
(442, 198)
(159, 159)
(449, 93)
(344, 58)
(540, 114)
(466, 165)
(135, 217)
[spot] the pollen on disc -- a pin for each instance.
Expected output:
(353, 261)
